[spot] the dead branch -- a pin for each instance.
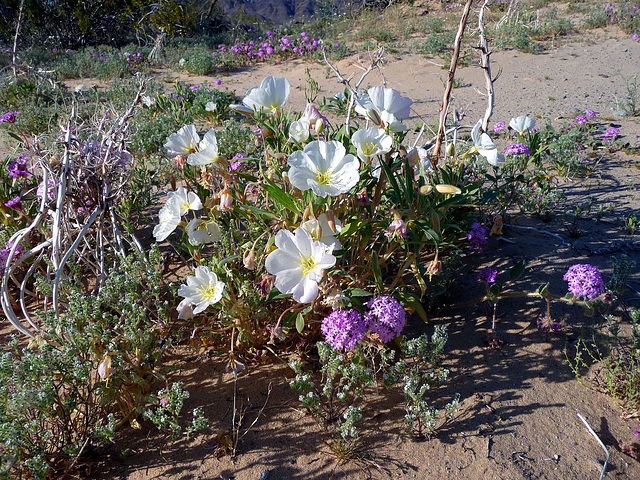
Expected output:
(444, 108)
(485, 64)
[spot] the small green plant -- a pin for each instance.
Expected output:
(418, 372)
(631, 224)
(166, 415)
(632, 102)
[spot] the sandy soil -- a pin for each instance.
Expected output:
(518, 417)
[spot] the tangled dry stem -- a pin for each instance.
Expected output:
(91, 175)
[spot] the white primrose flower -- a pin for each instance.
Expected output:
(299, 130)
(211, 107)
(327, 235)
(324, 168)
(201, 231)
(390, 120)
(370, 142)
(522, 124)
(184, 142)
(485, 146)
(384, 101)
(186, 200)
(271, 95)
(207, 150)
(148, 101)
(169, 219)
(202, 290)
(298, 264)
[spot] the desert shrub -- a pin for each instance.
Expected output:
(88, 372)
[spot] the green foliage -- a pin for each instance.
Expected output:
(418, 372)
(72, 385)
(166, 415)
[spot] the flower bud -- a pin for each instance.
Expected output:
(319, 126)
(249, 260)
(451, 150)
(105, 370)
(331, 221)
(307, 214)
(374, 116)
(226, 201)
(241, 109)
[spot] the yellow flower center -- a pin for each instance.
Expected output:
(324, 178)
(208, 292)
(308, 264)
(369, 148)
(185, 205)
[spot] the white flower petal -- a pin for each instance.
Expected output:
(184, 142)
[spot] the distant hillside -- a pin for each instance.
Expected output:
(276, 11)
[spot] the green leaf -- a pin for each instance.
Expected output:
(392, 180)
(543, 290)
(284, 199)
(356, 292)
(300, 322)
(352, 227)
(15, 137)
(377, 273)
(516, 270)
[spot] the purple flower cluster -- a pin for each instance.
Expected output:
(18, 168)
(499, 127)
(233, 166)
(585, 281)
(488, 275)
(264, 48)
(4, 254)
(478, 236)
(581, 119)
(342, 329)
(547, 324)
(14, 203)
(9, 117)
(517, 149)
(610, 134)
(386, 317)
(590, 113)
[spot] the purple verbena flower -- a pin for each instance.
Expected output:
(342, 329)
(590, 113)
(499, 127)
(478, 236)
(581, 119)
(386, 317)
(488, 275)
(233, 166)
(9, 117)
(14, 203)
(18, 168)
(547, 324)
(517, 149)
(585, 281)
(4, 254)
(610, 134)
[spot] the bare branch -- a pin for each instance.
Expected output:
(444, 108)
